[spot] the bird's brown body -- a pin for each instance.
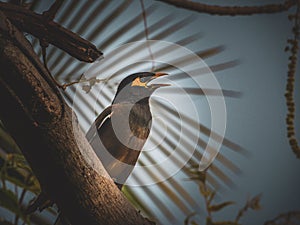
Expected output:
(121, 130)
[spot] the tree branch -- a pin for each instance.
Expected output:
(231, 10)
(49, 136)
(44, 29)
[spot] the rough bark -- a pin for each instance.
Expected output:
(47, 132)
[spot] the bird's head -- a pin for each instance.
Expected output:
(136, 87)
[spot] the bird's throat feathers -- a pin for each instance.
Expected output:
(135, 94)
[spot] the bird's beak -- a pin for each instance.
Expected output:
(157, 75)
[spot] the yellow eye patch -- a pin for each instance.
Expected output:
(137, 82)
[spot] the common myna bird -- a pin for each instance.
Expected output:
(121, 130)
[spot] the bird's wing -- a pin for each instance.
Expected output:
(98, 123)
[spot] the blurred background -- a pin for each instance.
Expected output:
(246, 55)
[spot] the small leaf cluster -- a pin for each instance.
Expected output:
(15, 172)
(212, 207)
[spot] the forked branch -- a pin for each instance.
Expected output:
(42, 27)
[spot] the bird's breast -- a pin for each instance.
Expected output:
(121, 137)
(140, 121)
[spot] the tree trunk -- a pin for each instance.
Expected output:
(47, 131)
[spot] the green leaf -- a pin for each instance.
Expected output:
(5, 222)
(188, 218)
(16, 170)
(197, 175)
(19, 161)
(218, 207)
(32, 186)
(9, 201)
(6, 141)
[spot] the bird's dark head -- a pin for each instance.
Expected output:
(136, 87)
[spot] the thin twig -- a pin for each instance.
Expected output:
(20, 202)
(51, 12)
(22, 196)
(64, 86)
(16, 219)
(44, 46)
(231, 10)
(91, 81)
(16, 216)
(3, 175)
(253, 203)
(147, 34)
(284, 217)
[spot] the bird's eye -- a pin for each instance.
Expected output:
(138, 82)
(143, 79)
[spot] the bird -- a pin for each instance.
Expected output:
(121, 130)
